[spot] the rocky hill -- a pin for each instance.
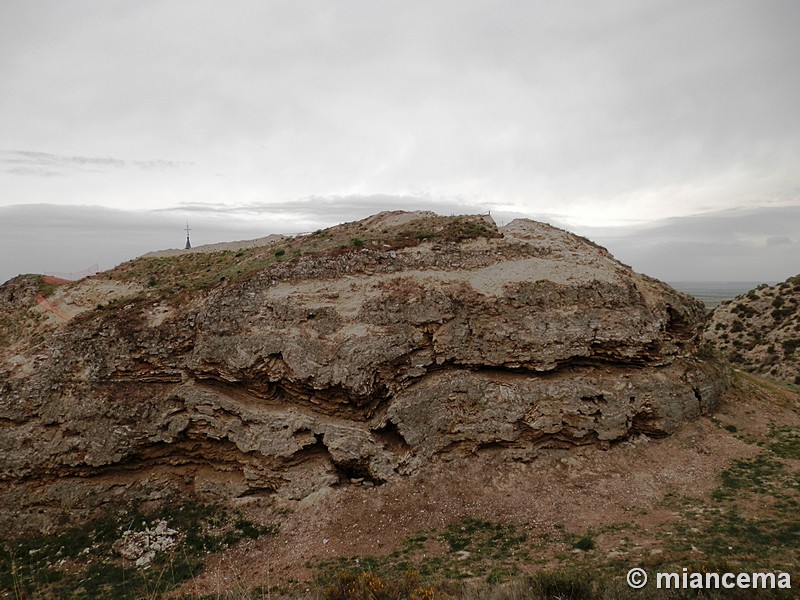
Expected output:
(360, 352)
(760, 331)
(372, 353)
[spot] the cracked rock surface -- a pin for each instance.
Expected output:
(322, 368)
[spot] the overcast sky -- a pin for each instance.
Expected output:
(667, 130)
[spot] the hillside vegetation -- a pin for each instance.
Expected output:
(760, 331)
(191, 271)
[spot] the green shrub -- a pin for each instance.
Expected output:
(369, 586)
(790, 345)
(564, 585)
(585, 543)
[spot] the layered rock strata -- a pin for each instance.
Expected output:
(360, 364)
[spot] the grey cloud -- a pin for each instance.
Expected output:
(44, 163)
(544, 104)
(780, 240)
(34, 171)
(733, 223)
(322, 211)
(57, 160)
(729, 245)
(161, 164)
(348, 208)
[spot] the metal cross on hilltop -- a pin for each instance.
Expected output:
(188, 243)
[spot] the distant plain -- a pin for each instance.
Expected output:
(713, 293)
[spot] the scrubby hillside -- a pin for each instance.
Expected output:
(760, 331)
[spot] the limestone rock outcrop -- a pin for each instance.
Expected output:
(360, 353)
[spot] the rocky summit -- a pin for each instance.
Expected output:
(360, 353)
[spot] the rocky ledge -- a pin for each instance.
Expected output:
(352, 355)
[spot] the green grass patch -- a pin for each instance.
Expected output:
(45, 289)
(80, 562)
(785, 441)
(168, 277)
(466, 549)
(755, 521)
(761, 474)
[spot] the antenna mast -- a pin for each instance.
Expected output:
(188, 243)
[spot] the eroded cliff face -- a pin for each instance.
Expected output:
(326, 366)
